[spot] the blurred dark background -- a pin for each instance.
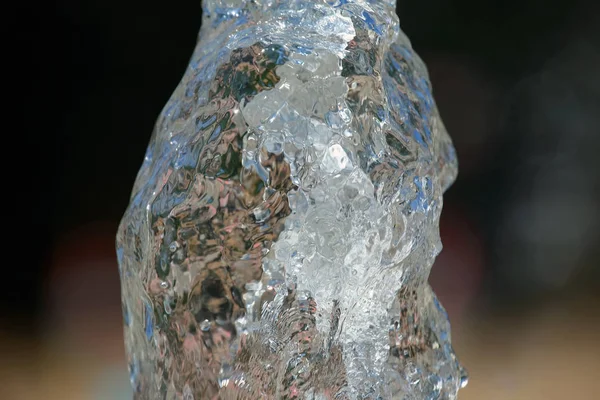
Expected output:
(518, 86)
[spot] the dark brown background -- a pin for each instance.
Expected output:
(517, 83)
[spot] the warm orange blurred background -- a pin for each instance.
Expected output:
(518, 86)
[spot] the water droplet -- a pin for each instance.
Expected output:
(464, 378)
(205, 325)
(164, 285)
(173, 247)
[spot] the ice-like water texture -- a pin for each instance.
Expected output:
(285, 219)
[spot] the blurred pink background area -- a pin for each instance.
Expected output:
(550, 353)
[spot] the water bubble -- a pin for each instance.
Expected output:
(464, 378)
(205, 325)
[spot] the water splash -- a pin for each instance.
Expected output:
(285, 219)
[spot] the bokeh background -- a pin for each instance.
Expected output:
(518, 86)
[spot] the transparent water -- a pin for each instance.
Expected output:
(285, 218)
